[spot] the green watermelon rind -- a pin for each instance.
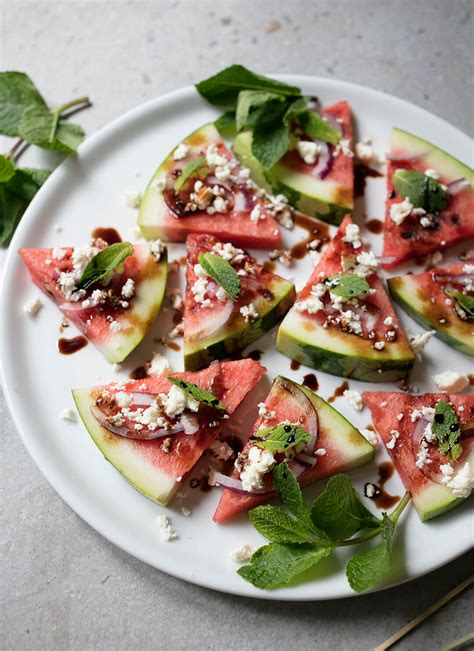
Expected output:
(309, 201)
(226, 344)
(435, 501)
(146, 478)
(396, 288)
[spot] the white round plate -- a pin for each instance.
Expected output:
(88, 191)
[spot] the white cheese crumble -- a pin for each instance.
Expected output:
(158, 365)
(128, 290)
(422, 456)
(432, 174)
(256, 213)
(249, 312)
(68, 414)
(366, 264)
(264, 412)
(364, 151)
(352, 236)
(133, 198)
(167, 531)
(157, 248)
(309, 151)
(388, 321)
(460, 483)
(450, 381)
(399, 211)
(370, 436)
(379, 345)
(115, 326)
(243, 554)
(181, 151)
(259, 463)
(123, 399)
(418, 342)
(58, 253)
(229, 252)
(394, 435)
(343, 146)
(354, 399)
(33, 306)
(176, 401)
(220, 450)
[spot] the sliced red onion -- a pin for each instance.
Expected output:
(73, 307)
(461, 279)
(307, 407)
(142, 398)
(297, 468)
(331, 120)
(216, 320)
(404, 155)
(140, 435)
(457, 186)
(306, 460)
(243, 201)
(386, 259)
(234, 484)
(325, 160)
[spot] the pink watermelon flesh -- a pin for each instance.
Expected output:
(409, 239)
(228, 381)
(94, 322)
(344, 445)
(430, 498)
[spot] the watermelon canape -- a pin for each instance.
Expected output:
(153, 432)
(333, 446)
(436, 479)
(200, 188)
(115, 313)
(316, 180)
(441, 299)
(342, 321)
(217, 325)
(411, 231)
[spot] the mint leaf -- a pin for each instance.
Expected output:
(338, 511)
(12, 208)
(282, 437)
(250, 99)
(276, 564)
(17, 93)
(271, 139)
(103, 263)
(289, 491)
(223, 88)
(464, 301)
(7, 169)
(41, 127)
(27, 181)
(201, 395)
(188, 171)
(368, 569)
(422, 191)
(225, 124)
(277, 526)
(316, 128)
(348, 286)
(222, 272)
(447, 430)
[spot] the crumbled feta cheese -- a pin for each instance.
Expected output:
(460, 483)
(283, 256)
(259, 462)
(394, 435)
(249, 312)
(320, 452)
(68, 414)
(220, 205)
(364, 151)
(366, 264)
(400, 416)
(133, 198)
(379, 345)
(256, 213)
(450, 381)
(312, 304)
(351, 322)
(264, 412)
(354, 399)
(33, 306)
(352, 236)
(418, 342)
(128, 289)
(190, 423)
(157, 249)
(228, 252)
(422, 456)
(370, 436)
(243, 554)
(370, 490)
(432, 174)
(389, 321)
(468, 269)
(343, 146)
(176, 401)
(158, 184)
(186, 511)
(415, 415)
(309, 151)
(158, 365)
(220, 450)
(167, 531)
(177, 331)
(59, 254)
(115, 326)
(199, 289)
(399, 211)
(181, 151)
(123, 399)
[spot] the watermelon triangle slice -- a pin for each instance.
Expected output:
(361, 338)
(337, 446)
(157, 467)
(417, 460)
(115, 317)
(321, 188)
(217, 198)
(437, 299)
(419, 235)
(217, 326)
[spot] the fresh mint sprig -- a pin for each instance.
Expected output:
(447, 430)
(222, 272)
(301, 538)
(422, 190)
(103, 263)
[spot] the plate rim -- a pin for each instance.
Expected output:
(49, 471)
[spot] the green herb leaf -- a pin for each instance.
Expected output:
(188, 171)
(251, 99)
(348, 286)
(17, 93)
(447, 430)
(317, 128)
(223, 88)
(12, 208)
(422, 191)
(103, 263)
(7, 169)
(225, 124)
(27, 181)
(277, 526)
(41, 127)
(368, 569)
(338, 511)
(464, 301)
(222, 272)
(289, 491)
(201, 395)
(276, 564)
(282, 437)
(271, 139)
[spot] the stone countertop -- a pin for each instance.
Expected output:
(63, 586)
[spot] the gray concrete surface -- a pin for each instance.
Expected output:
(62, 585)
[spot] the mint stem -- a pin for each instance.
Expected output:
(71, 104)
(14, 149)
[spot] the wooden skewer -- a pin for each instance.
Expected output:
(424, 615)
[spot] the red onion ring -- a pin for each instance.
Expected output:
(460, 279)
(143, 398)
(139, 435)
(306, 460)
(331, 120)
(386, 259)
(324, 162)
(234, 484)
(404, 155)
(457, 186)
